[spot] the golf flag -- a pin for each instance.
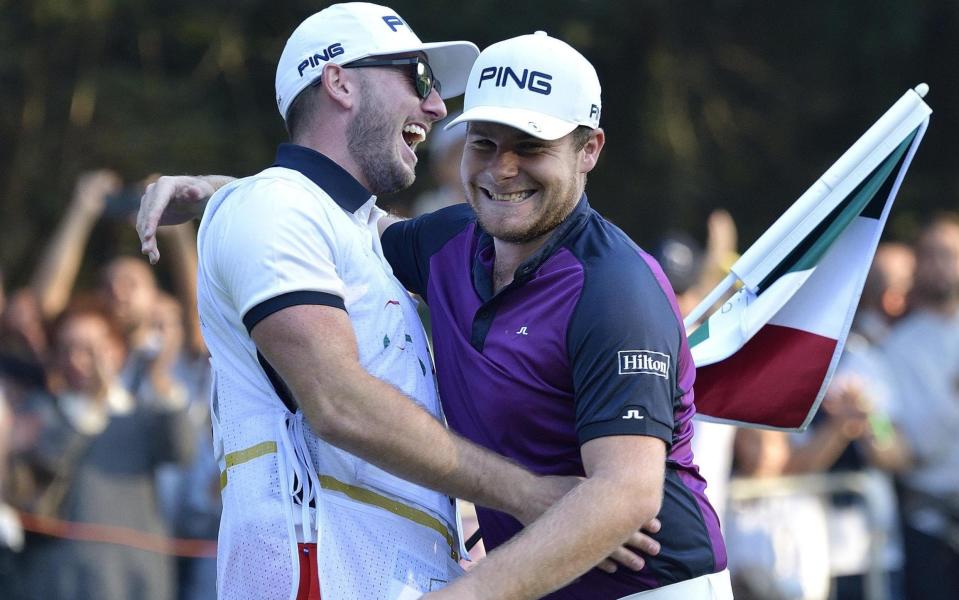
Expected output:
(764, 358)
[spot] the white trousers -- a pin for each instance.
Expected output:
(714, 586)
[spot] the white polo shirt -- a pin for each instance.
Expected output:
(304, 232)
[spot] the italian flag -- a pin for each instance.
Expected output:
(765, 356)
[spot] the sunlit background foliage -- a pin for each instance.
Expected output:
(709, 103)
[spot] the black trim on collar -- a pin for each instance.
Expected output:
(578, 216)
(333, 179)
(483, 279)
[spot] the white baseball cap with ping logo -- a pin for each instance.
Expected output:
(535, 83)
(343, 33)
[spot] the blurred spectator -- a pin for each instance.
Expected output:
(163, 344)
(130, 293)
(128, 284)
(923, 361)
(854, 433)
(692, 270)
(188, 494)
(23, 357)
(693, 273)
(777, 543)
(11, 533)
(60, 262)
(94, 463)
(682, 258)
(23, 344)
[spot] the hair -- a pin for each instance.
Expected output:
(580, 136)
(139, 264)
(88, 305)
(303, 109)
(940, 218)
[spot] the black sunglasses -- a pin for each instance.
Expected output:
(423, 79)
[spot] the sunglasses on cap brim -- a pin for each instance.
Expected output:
(422, 73)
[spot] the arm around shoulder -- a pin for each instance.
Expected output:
(171, 200)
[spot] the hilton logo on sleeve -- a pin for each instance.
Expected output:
(634, 362)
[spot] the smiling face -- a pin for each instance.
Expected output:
(521, 187)
(87, 353)
(937, 264)
(390, 122)
(129, 288)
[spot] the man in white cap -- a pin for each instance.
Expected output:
(327, 424)
(559, 343)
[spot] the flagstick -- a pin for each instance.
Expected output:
(712, 298)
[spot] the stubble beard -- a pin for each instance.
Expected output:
(545, 222)
(371, 140)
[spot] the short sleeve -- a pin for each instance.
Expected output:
(624, 346)
(409, 245)
(276, 248)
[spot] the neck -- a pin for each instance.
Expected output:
(508, 257)
(331, 141)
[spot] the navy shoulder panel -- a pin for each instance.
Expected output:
(624, 339)
(408, 245)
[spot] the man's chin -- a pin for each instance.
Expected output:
(505, 233)
(384, 184)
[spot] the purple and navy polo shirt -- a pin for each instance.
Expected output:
(587, 341)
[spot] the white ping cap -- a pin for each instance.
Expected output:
(343, 33)
(535, 83)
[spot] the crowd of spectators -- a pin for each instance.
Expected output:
(865, 503)
(109, 489)
(105, 451)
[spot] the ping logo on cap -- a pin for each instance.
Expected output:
(534, 81)
(320, 57)
(393, 21)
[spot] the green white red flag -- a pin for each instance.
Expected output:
(764, 358)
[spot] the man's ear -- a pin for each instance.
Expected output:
(589, 155)
(339, 85)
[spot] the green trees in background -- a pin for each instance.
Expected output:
(709, 103)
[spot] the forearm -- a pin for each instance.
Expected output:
(313, 349)
(376, 422)
(57, 271)
(891, 454)
(171, 200)
(217, 181)
(183, 255)
(820, 452)
(569, 539)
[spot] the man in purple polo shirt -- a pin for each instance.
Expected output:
(558, 344)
